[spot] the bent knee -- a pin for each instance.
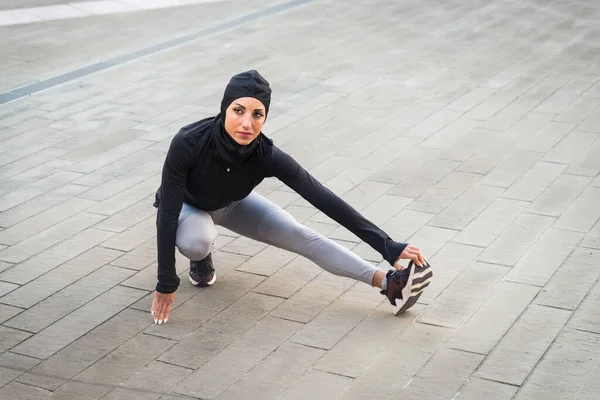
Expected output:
(195, 247)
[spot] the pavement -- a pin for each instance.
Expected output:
(469, 129)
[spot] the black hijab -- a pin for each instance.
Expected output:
(245, 84)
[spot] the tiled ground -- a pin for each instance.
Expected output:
(468, 129)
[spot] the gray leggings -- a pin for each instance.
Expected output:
(260, 219)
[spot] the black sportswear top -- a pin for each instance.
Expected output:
(207, 169)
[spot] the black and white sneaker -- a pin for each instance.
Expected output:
(202, 273)
(405, 286)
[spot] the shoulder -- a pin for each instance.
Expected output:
(275, 161)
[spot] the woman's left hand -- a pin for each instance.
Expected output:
(412, 253)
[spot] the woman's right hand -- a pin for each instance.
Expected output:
(161, 306)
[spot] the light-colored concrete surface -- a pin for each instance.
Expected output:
(470, 130)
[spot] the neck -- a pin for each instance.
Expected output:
(227, 148)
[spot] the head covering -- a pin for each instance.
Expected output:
(244, 84)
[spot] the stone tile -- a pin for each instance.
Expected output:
(442, 376)
(555, 199)
(571, 147)
(213, 336)
(509, 115)
(268, 261)
(405, 224)
(544, 257)
(288, 362)
(585, 317)
(519, 236)
(448, 263)
(471, 99)
(408, 353)
(6, 287)
(483, 329)
(11, 337)
(39, 204)
(68, 299)
(286, 281)
(535, 331)
(127, 198)
(125, 361)
(588, 163)
(492, 221)
(573, 280)
(391, 165)
(430, 240)
(339, 318)
(317, 385)
(464, 295)
(592, 239)
(415, 184)
(449, 135)
(198, 307)
(43, 220)
(372, 336)
(545, 139)
(490, 107)
(466, 207)
(590, 123)
(60, 277)
(49, 237)
(444, 192)
(7, 312)
(476, 389)
(506, 173)
(15, 390)
(219, 373)
(157, 377)
(534, 182)
(85, 351)
(38, 188)
(78, 323)
(566, 366)
(312, 298)
(579, 110)
(582, 214)
(13, 365)
(80, 390)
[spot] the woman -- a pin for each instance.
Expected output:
(210, 171)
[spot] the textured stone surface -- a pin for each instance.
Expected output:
(469, 130)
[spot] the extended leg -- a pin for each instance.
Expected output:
(260, 219)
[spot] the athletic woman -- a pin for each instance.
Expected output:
(209, 175)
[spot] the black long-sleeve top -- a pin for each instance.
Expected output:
(205, 168)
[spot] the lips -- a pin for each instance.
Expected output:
(245, 133)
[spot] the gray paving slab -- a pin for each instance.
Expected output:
(469, 130)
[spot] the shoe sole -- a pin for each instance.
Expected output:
(203, 284)
(418, 279)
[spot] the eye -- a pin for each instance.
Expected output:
(258, 115)
(238, 110)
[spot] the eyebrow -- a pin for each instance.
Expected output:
(258, 109)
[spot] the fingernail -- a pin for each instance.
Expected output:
(152, 312)
(155, 320)
(166, 319)
(160, 321)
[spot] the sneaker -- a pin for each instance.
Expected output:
(406, 285)
(202, 273)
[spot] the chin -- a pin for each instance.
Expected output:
(244, 141)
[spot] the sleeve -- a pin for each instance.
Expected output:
(170, 195)
(286, 169)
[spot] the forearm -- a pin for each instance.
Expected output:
(168, 281)
(343, 213)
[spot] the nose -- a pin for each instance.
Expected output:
(247, 121)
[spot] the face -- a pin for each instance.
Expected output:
(244, 119)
